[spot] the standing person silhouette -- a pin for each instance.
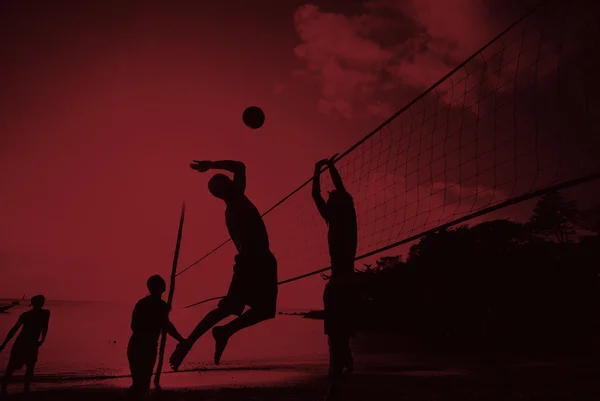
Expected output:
(150, 316)
(25, 349)
(339, 297)
(254, 281)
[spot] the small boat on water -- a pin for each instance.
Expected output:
(4, 308)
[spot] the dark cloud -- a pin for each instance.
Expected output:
(356, 58)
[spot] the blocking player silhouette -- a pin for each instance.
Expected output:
(340, 295)
(254, 281)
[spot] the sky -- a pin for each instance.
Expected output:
(105, 104)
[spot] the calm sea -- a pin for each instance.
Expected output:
(88, 340)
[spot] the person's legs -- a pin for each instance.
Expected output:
(142, 379)
(6, 378)
(222, 334)
(145, 379)
(29, 369)
(134, 389)
(213, 317)
(339, 326)
(249, 318)
(31, 360)
(142, 358)
(256, 286)
(133, 359)
(336, 365)
(348, 359)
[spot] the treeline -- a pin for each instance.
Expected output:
(497, 284)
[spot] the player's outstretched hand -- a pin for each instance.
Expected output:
(200, 165)
(320, 164)
(332, 158)
(324, 162)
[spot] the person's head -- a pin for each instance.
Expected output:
(156, 285)
(221, 186)
(38, 301)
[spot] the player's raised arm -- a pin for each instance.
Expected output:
(12, 332)
(335, 175)
(316, 189)
(237, 168)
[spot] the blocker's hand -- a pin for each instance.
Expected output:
(320, 164)
(200, 165)
(324, 162)
(332, 158)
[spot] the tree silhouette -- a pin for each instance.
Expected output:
(498, 283)
(590, 219)
(554, 216)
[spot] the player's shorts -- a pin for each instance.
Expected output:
(24, 352)
(254, 283)
(340, 300)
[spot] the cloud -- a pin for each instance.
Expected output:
(358, 59)
(279, 88)
(347, 65)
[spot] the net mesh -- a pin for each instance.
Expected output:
(516, 117)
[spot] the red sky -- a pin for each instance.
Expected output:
(104, 105)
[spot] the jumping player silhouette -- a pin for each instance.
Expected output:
(254, 281)
(150, 316)
(25, 349)
(339, 297)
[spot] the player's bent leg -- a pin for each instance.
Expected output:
(249, 318)
(222, 334)
(213, 317)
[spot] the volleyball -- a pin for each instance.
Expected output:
(253, 117)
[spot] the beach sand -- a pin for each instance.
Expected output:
(568, 379)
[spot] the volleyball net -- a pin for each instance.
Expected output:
(514, 120)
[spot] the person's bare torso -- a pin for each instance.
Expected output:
(342, 236)
(34, 322)
(246, 227)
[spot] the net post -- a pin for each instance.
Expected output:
(163, 340)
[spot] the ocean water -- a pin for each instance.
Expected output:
(88, 340)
